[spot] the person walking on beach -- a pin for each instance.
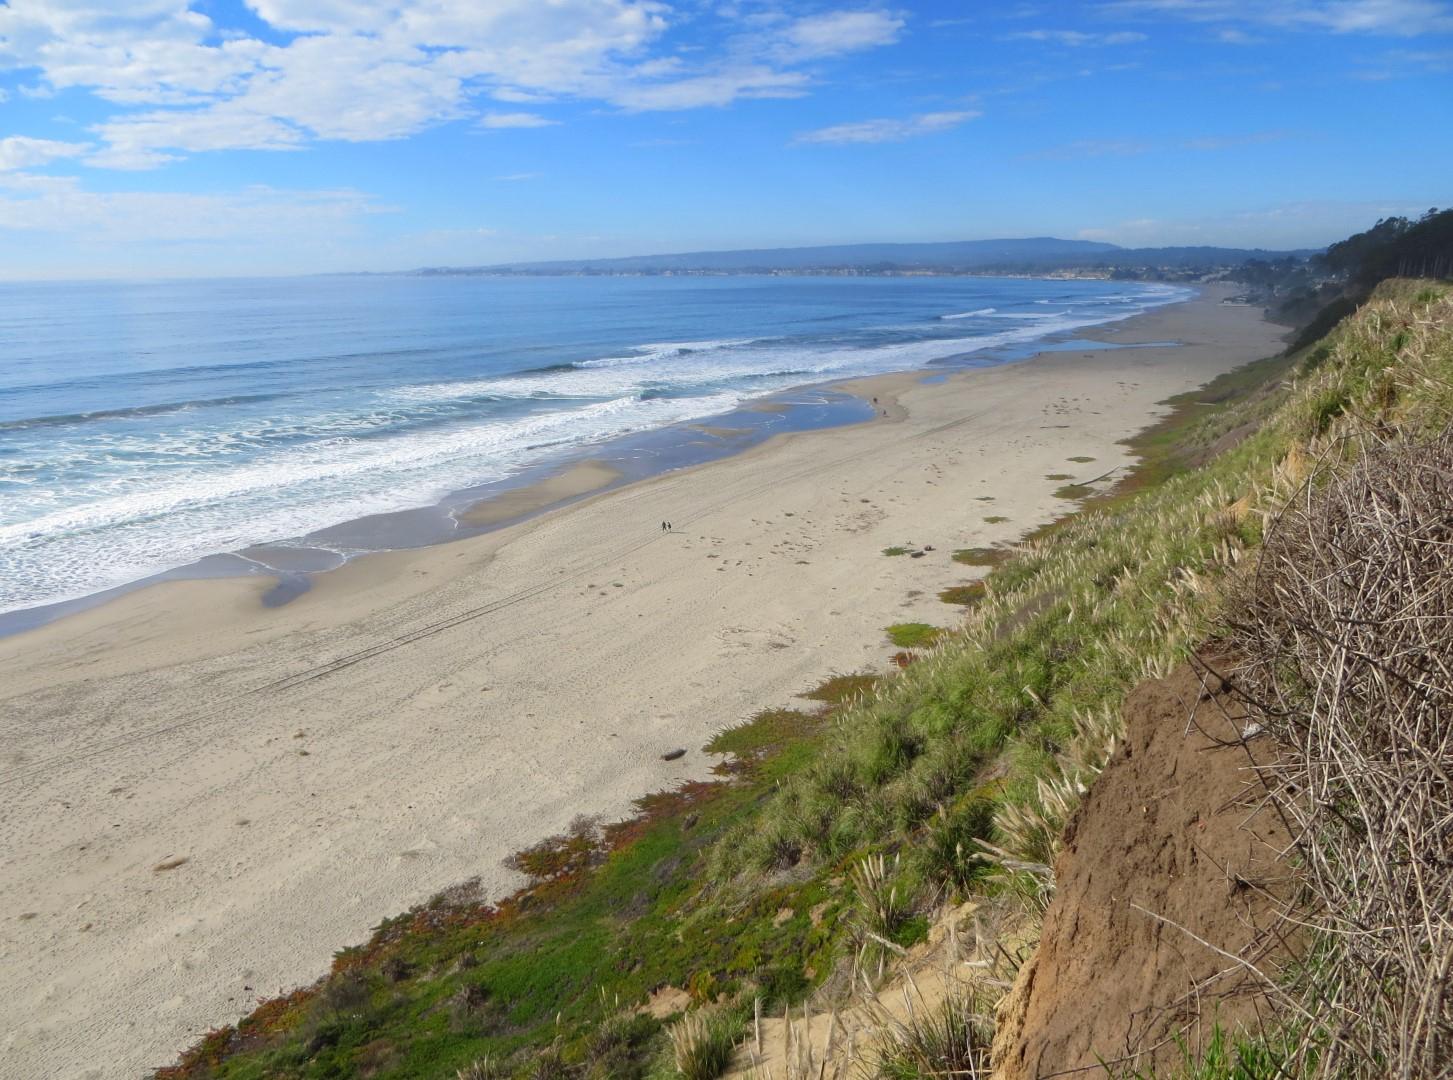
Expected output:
(664, 526)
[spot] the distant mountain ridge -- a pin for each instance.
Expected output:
(1030, 253)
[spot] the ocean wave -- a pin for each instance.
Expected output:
(133, 412)
(136, 530)
(644, 354)
(92, 502)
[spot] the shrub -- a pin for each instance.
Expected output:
(880, 906)
(948, 1039)
(703, 1042)
(1347, 659)
(945, 855)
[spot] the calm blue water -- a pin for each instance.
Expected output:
(144, 426)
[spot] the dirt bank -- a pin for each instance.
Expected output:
(1172, 845)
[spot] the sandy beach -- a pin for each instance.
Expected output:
(202, 798)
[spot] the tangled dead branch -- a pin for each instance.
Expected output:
(1346, 639)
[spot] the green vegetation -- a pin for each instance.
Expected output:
(1057, 476)
(963, 595)
(843, 689)
(914, 635)
(1262, 1057)
(995, 519)
(523, 985)
(1353, 268)
(858, 816)
(702, 1042)
(1080, 459)
(1074, 491)
(895, 550)
(950, 1038)
(980, 556)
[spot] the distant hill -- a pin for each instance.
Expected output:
(1029, 254)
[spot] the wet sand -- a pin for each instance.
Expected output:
(201, 798)
(579, 479)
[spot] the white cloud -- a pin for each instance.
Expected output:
(836, 32)
(383, 69)
(132, 142)
(878, 131)
(720, 88)
(515, 120)
(1394, 18)
(313, 16)
(1077, 39)
(22, 152)
(139, 52)
(515, 96)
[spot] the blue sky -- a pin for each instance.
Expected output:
(160, 137)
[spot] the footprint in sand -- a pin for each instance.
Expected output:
(742, 638)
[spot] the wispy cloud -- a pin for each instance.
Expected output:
(515, 120)
(1077, 39)
(1408, 63)
(715, 89)
(1091, 148)
(59, 205)
(835, 33)
(1126, 147)
(888, 130)
(1394, 18)
(20, 152)
(1231, 35)
(1230, 142)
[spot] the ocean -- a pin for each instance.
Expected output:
(146, 427)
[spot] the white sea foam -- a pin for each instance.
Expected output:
(662, 351)
(94, 511)
(130, 530)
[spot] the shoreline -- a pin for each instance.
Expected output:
(292, 565)
(420, 714)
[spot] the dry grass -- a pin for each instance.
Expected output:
(1346, 631)
(485, 1068)
(703, 1043)
(880, 907)
(930, 1018)
(950, 1038)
